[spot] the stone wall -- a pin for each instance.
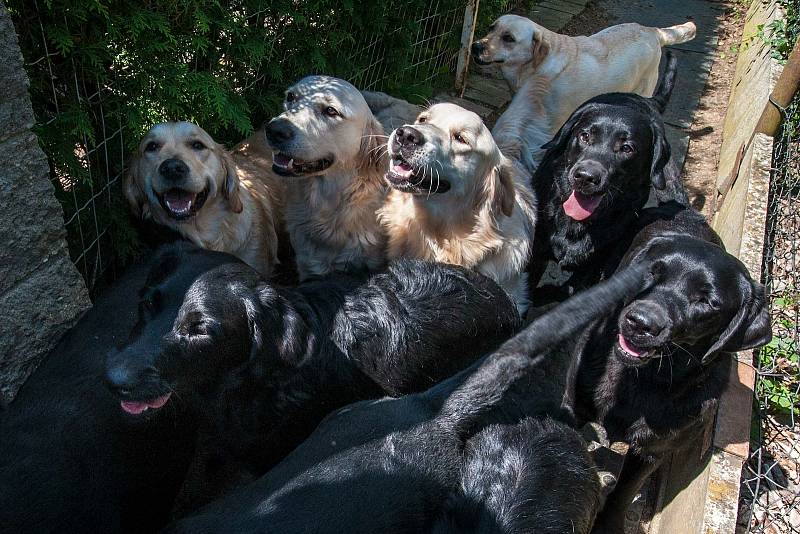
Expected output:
(41, 292)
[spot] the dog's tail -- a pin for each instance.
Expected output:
(678, 34)
(488, 383)
(666, 82)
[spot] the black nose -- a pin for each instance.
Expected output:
(643, 323)
(121, 376)
(173, 169)
(477, 48)
(279, 131)
(587, 177)
(408, 136)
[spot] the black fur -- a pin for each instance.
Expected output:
(70, 459)
(587, 156)
(268, 363)
(702, 305)
(389, 465)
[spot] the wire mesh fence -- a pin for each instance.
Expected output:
(96, 86)
(771, 477)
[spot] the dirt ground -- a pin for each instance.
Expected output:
(705, 134)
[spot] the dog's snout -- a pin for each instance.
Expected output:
(589, 177)
(477, 48)
(644, 322)
(122, 379)
(279, 131)
(409, 136)
(173, 169)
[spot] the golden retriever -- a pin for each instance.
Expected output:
(457, 199)
(224, 201)
(552, 74)
(327, 144)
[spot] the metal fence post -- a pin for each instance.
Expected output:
(467, 34)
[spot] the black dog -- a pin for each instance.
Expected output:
(596, 175)
(535, 476)
(389, 465)
(70, 459)
(655, 368)
(269, 363)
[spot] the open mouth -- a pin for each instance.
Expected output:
(580, 207)
(403, 177)
(139, 407)
(181, 204)
(288, 166)
(630, 352)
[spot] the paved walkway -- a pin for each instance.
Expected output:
(487, 93)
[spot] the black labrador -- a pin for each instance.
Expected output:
(267, 363)
(391, 465)
(594, 178)
(653, 369)
(70, 459)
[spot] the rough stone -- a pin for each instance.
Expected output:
(41, 292)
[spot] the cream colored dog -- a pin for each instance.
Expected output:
(552, 74)
(224, 201)
(457, 199)
(327, 144)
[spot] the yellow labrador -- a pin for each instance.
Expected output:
(327, 144)
(552, 74)
(457, 199)
(224, 201)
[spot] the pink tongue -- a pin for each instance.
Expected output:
(402, 169)
(179, 200)
(579, 206)
(627, 348)
(135, 408)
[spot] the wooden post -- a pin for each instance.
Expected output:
(782, 95)
(467, 34)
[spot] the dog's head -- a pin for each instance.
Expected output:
(176, 170)
(326, 125)
(449, 151)
(512, 41)
(701, 301)
(132, 371)
(613, 148)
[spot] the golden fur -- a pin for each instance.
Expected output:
(483, 221)
(243, 210)
(330, 213)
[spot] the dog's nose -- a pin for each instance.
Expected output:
(173, 169)
(122, 379)
(586, 176)
(643, 323)
(409, 136)
(279, 131)
(477, 48)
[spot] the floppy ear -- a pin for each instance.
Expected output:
(661, 155)
(282, 328)
(539, 49)
(370, 154)
(505, 192)
(230, 187)
(750, 327)
(564, 134)
(136, 198)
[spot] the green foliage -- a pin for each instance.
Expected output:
(104, 71)
(782, 34)
(779, 360)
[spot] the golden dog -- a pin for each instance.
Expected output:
(327, 144)
(224, 201)
(457, 199)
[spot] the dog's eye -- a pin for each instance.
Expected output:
(460, 138)
(627, 148)
(331, 112)
(197, 145)
(422, 119)
(508, 38)
(291, 97)
(152, 146)
(584, 137)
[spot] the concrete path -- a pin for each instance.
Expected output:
(487, 93)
